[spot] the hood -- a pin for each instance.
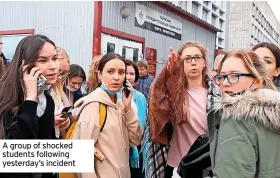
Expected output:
(98, 95)
(263, 106)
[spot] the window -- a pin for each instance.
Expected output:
(221, 13)
(194, 8)
(182, 4)
(206, 3)
(11, 39)
(110, 47)
(214, 19)
(256, 32)
(204, 14)
(253, 10)
(214, 8)
(221, 24)
(253, 30)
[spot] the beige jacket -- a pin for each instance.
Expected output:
(121, 131)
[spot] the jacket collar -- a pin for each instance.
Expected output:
(262, 106)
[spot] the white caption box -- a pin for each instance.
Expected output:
(46, 156)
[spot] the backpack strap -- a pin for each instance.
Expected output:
(102, 115)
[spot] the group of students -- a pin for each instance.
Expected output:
(235, 111)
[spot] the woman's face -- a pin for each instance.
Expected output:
(233, 66)
(75, 83)
(130, 75)
(113, 74)
(270, 61)
(48, 63)
(194, 62)
(64, 68)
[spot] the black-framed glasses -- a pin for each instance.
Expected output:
(196, 58)
(232, 78)
(64, 75)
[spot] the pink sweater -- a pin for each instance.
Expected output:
(185, 135)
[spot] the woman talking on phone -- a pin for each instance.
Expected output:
(26, 109)
(121, 129)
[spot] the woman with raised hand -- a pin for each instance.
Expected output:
(121, 128)
(180, 98)
(246, 143)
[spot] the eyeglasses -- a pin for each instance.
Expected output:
(197, 58)
(232, 78)
(64, 75)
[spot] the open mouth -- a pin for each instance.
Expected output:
(229, 92)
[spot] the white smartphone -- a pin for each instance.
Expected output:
(41, 81)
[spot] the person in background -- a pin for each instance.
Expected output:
(3, 60)
(76, 79)
(93, 81)
(139, 104)
(60, 99)
(246, 143)
(26, 111)
(270, 53)
(217, 62)
(121, 129)
(145, 80)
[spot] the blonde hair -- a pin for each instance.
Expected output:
(58, 87)
(204, 54)
(254, 64)
(93, 80)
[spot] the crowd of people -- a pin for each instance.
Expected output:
(190, 121)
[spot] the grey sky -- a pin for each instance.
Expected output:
(274, 5)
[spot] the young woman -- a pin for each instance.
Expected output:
(270, 53)
(177, 109)
(60, 99)
(26, 110)
(121, 129)
(76, 79)
(247, 142)
(139, 104)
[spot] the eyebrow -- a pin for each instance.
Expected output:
(48, 56)
(232, 71)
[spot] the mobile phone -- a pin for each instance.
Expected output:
(126, 90)
(66, 110)
(41, 81)
(66, 115)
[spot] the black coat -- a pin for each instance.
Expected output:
(27, 125)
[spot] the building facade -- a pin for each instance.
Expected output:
(212, 12)
(251, 22)
(135, 30)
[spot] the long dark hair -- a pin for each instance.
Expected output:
(77, 71)
(130, 63)
(276, 53)
(11, 84)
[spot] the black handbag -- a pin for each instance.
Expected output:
(193, 165)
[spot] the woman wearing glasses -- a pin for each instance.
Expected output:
(60, 99)
(177, 109)
(247, 142)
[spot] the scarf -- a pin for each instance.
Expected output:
(168, 89)
(140, 103)
(155, 153)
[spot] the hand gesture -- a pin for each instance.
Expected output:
(173, 61)
(127, 100)
(31, 81)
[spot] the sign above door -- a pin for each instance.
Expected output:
(152, 20)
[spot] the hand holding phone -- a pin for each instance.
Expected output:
(127, 95)
(30, 79)
(66, 112)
